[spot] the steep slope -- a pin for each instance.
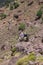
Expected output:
(29, 12)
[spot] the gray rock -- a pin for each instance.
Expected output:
(24, 47)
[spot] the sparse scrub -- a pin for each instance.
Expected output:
(7, 2)
(21, 26)
(27, 58)
(39, 13)
(2, 16)
(16, 5)
(13, 49)
(11, 7)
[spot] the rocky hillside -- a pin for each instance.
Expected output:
(21, 32)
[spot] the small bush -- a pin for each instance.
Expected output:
(7, 3)
(39, 13)
(2, 16)
(16, 5)
(13, 49)
(21, 26)
(32, 57)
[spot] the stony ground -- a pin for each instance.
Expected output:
(26, 13)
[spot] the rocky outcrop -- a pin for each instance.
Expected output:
(28, 47)
(24, 47)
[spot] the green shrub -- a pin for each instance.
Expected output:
(21, 26)
(13, 49)
(2, 16)
(39, 13)
(26, 59)
(32, 57)
(16, 5)
(7, 3)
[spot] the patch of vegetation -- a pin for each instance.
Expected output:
(16, 5)
(21, 26)
(26, 59)
(2, 16)
(7, 3)
(11, 7)
(13, 49)
(39, 13)
(40, 58)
